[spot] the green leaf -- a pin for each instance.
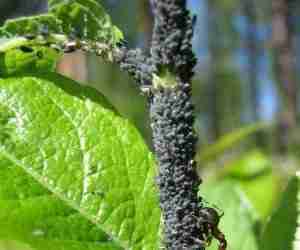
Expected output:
(238, 222)
(72, 142)
(79, 19)
(254, 172)
(86, 19)
(31, 214)
(31, 25)
(21, 56)
(72, 245)
(226, 142)
(250, 165)
(282, 230)
(13, 245)
(15, 184)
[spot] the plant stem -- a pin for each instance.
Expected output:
(167, 73)
(172, 121)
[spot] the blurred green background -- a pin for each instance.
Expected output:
(245, 88)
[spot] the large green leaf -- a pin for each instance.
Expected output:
(13, 245)
(282, 231)
(31, 214)
(238, 223)
(70, 140)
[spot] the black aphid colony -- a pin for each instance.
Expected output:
(172, 123)
(171, 44)
(174, 142)
(137, 64)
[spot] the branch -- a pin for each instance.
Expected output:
(172, 119)
(132, 61)
(137, 65)
(172, 36)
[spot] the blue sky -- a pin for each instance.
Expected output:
(267, 92)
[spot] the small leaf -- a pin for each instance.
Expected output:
(238, 222)
(282, 230)
(34, 25)
(250, 166)
(20, 56)
(72, 142)
(85, 19)
(77, 19)
(226, 142)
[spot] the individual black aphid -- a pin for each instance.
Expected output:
(39, 54)
(194, 21)
(122, 43)
(30, 36)
(26, 49)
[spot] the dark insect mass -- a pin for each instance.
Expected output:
(172, 118)
(137, 64)
(26, 49)
(172, 36)
(30, 36)
(174, 141)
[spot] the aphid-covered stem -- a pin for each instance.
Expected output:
(137, 64)
(172, 119)
(174, 142)
(132, 61)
